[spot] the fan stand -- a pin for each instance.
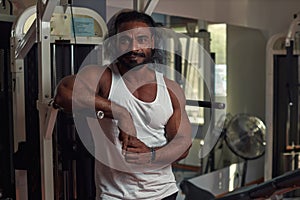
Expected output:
(244, 173)
(250, 124)
(211, 163)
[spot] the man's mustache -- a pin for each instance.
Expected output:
(132, 53)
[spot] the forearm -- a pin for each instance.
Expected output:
(89, 103)
(78, 95)
(111, 109)
(174, 150)
(84, 96)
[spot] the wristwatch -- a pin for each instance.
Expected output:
(100, 114)
(153, 154)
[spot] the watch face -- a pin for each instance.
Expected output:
(100, 114)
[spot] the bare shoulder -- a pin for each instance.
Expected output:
(89, 72)
(90, 76)
(98, 77)
(175, 91)
(94, 72)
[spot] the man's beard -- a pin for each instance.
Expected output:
(131, 64)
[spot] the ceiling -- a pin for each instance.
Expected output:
(270, 16)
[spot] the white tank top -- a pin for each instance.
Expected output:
(114, 184)
(149, 118)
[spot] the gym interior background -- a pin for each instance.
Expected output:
(255, 48)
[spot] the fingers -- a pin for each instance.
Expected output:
(135, 151)
(124, 139)
(138, 158)
(130, 141)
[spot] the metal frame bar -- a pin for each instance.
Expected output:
(270, 103)
(292, 30)
(7, 18)
(26, 43)
(18, 91)
(138, 5)
(150, 6)
(145, 6)
(44, 14)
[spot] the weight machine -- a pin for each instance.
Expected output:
(282, 102)
(48, 42)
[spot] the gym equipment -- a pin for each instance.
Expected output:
(7, 183)
(273, 188)
(193, 192)
(245, 136)
(6, 7)
(282, 86)
(45, 48)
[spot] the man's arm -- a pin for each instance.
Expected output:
(178, 128)
(85, 90)
(89, 89)
(63, 93)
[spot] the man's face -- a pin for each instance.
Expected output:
(134, 42)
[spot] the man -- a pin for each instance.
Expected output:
(148, 110)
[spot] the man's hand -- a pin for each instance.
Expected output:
(124, 138)
(136, 151)
(126, 128)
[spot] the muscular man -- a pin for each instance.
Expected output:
(148, 110)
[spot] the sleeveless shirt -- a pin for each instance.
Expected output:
(149, 119)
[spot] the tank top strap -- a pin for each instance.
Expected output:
(115, 78)
(159, 78)
(163, 95)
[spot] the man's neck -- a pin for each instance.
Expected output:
(140, 74)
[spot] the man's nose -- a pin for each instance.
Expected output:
(135, 45)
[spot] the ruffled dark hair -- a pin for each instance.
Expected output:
(158, 55)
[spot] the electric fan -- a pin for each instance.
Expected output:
(245, 137)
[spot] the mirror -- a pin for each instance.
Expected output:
(238, 79)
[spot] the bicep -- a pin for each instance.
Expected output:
(83, 86)
(178, 128)
(63, 92)
(178, 124)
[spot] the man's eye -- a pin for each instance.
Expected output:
(124, 40)
(143, 39)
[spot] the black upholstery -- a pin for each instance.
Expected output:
(281, 184)
(193, 192)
